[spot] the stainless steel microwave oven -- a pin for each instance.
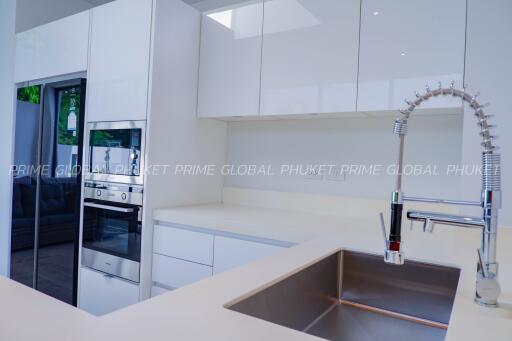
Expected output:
(115, 152)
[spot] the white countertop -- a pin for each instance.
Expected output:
(196, 312)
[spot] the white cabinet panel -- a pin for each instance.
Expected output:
(406, 44)
(183, 244)
(54, 49)
(310, 55)
(119, 61)
(101, 294)
(230, 252)
(230, 62)
(176, 272)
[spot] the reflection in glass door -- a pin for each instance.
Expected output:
(28, 112)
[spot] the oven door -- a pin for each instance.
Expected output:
(112, 238)
(116, 152)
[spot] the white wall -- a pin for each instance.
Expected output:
(488, 70)
(432, 140)
(175, 136)
(7, 44)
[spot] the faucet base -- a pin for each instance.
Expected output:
(486, 303)
(394, 257)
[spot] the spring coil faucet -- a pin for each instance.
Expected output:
(487, 287)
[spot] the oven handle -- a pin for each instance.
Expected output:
(108, 207)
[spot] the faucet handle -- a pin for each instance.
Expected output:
(487, 287)
(383, 230)
(483, 268)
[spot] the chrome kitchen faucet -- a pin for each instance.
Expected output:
(487, 286)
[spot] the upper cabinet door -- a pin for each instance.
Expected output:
(54, 49)
(229, 73)
(406, 44)
(310, 55)
(119, 61)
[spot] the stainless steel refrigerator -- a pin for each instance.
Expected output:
(46, 192)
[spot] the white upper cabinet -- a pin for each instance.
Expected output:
(119, 61)
(229, 73)
(406, 44)
(54, 49)
(310, 55)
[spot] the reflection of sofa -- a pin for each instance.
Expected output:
(57, 218)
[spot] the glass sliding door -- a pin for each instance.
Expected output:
(57, 184)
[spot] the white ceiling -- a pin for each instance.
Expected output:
(32, 13)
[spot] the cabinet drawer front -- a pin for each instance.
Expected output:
(101, 294)
(176, 272)
(188, 245)
(231, 252)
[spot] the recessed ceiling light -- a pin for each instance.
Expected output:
(375, 13)
(402, 54)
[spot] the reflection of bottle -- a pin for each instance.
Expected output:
(133, 157)
(72, 121)
(72, 113)
(107, 160)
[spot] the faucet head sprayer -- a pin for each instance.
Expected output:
(393, 253)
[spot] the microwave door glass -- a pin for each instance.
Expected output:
(115, 151)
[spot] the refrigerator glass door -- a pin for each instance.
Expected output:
(51, 193)
(27, 126)
(60, 188)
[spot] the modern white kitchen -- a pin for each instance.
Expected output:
(255, 169)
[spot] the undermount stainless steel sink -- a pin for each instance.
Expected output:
(356, 296)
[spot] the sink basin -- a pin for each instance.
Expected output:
(356, 296)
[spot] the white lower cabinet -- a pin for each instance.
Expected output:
(230, 252)
(176, 273)
(101, 293)
(185, 254)
(183, 244)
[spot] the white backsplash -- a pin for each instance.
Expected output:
(433, 140)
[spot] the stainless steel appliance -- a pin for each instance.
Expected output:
(116, 152)
(112, 229)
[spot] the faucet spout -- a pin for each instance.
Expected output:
(487, 288)
(446, 219)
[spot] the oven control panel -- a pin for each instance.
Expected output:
(129, 194)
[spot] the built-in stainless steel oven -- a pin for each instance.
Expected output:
(116, 152)
(112, 227)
